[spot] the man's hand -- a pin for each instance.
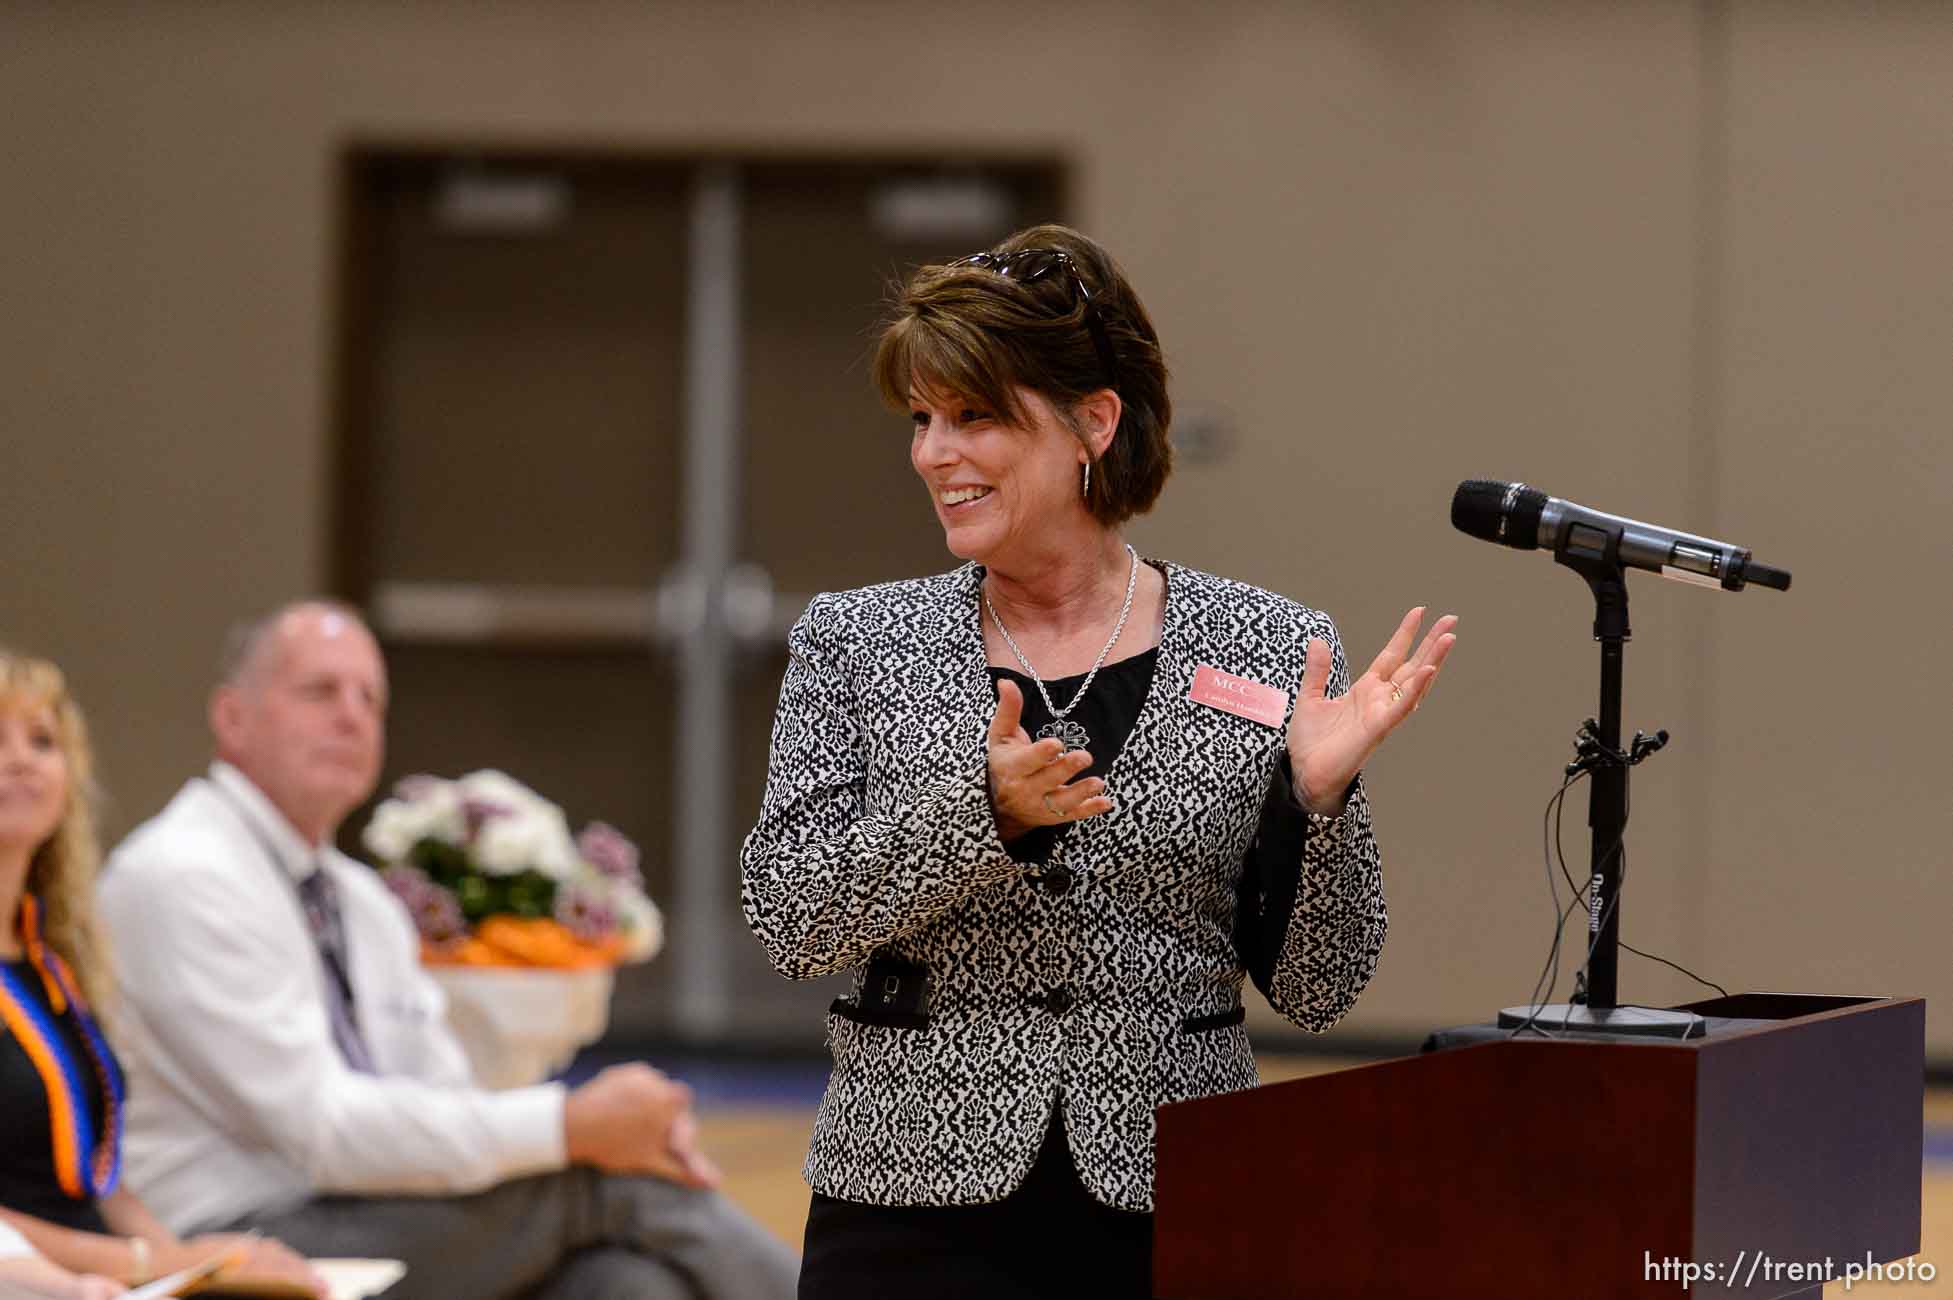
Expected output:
(631, 1119)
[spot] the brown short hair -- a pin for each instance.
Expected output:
(970, 331)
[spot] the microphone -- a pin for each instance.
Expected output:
(1526, 519)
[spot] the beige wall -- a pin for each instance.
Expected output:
(1683, 262)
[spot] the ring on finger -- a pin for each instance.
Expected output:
(1396, 693)
(1046, 796)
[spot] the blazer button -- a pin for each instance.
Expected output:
(1058, 881)
(1059, 1000)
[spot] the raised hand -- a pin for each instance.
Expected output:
(1031, 782)
(1329, 740)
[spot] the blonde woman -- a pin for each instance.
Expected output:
(60, 1083)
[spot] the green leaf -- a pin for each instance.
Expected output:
(531, 894)
(478, 898)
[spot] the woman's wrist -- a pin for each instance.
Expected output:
(173, 1256)
(1328, 808)
(1008, 827)
(1315, 808)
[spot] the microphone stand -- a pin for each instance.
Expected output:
(1594, 554)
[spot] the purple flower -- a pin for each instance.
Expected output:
(604, 847)
(439, 917)
(436, 911)
(585, 913)
(477, 812)
(409, 884)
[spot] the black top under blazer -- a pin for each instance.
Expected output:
(1107, 999)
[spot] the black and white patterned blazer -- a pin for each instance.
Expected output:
(1105, 989)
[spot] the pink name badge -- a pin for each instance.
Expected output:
(1241, 696)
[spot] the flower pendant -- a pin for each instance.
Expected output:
(1070, 734)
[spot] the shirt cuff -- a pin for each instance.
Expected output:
(530, 1121)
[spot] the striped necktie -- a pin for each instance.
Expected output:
(321, 900)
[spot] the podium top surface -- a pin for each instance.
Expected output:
(1717, 1019)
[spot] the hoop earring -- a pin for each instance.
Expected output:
(1086, 490)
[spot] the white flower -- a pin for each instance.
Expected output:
(502, 846)
(556, 855)
(516, 829)
(529, 840)
(433, 812)
(492, 787)
(389, 835)
(640, 923)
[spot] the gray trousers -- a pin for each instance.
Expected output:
(574, 1235)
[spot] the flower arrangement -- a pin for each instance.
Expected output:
(492, 877)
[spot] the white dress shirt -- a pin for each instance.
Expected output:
(239, 1101)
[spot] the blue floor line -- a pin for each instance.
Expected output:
(718, 1084)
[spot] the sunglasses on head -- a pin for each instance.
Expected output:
(1028, 266)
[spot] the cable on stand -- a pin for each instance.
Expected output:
(1595, 1007)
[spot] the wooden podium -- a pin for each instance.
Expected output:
(1565, 1168)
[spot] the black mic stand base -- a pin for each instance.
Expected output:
(1553, 1017)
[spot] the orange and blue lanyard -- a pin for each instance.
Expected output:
(87, 1168)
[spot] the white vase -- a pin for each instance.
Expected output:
(519, 1025)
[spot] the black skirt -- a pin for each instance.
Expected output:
(1049, 1238)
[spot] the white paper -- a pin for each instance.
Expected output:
(355, 1279)
(348, 1279)
(170, 1285)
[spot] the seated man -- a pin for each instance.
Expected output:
(290, 1068)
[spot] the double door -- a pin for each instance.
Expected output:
(604, 424)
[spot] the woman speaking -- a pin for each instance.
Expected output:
(1050, 808)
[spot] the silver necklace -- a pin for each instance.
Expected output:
(1070, 734)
